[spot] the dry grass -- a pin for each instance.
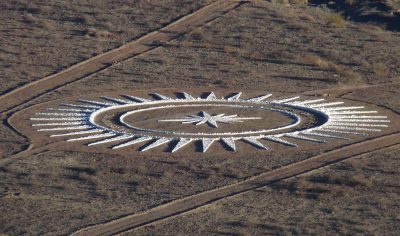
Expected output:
(380, 69)
(129, 182)
(230, 49)
(350, 2)
(298, 1)
(207, 45)
(98, 33)
(336, 19)
(357, 196)
(315, 61)
(348, 76)
(38, 39)
(377, 33)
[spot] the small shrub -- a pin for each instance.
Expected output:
(229, 49)
(298, 1)
(348, 75)
(350, 2)
(197, 34)
(93, 32)
(315, 61)
(380, 69)
(207, 45)
(336, 19)
(280, 1)
(351, 77)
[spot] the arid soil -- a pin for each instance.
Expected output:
(39, 38)
(357, 196)
(57, 187)
(187, 204)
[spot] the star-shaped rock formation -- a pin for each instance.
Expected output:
(203, 117)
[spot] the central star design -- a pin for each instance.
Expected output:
(203, 117)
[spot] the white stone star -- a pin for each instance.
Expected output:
(203, 117)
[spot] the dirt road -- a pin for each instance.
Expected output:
(95, 64)
(153, 40)
(195, 201)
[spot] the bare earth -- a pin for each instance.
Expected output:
(53, 187)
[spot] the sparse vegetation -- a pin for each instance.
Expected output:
(207, 45)
(258, 47)
(93, 32)
(348, 76)
(298, 1)
(350, 2)
(230, 49)
(380, 69)
(316, 61)
(336, 19)
(336, 200)
(56, 35)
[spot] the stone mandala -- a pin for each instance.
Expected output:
(121, 122)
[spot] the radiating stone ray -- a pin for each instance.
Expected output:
(285, 100)
(104, 104)
(96, 136)
(349, 112)
(132, 142)
(116, 100)
(302, 137)
(78, 133)
(280, 140)
(67, 128)
(307, 102)
(313, 133)
(157, 143)
(161, 97)
(230, 142)
(357, 124)
(72, 109)
(187, 96)
(330, 130)
(325, 104)
(259, 98)
(342, 108)
(352, 128)
(360, 120)
(58, 118)
(59, 124)
(113, 139)
(211, 96)
(206, 143)
(357, 117)
(60, 114)
(81, 106)
(255, 142)
(181, 143)
(136, 99)
(234, 97)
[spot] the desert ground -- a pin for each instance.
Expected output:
(60, 52)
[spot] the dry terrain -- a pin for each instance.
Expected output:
(52, 187)
(39, 39)
(357, 196)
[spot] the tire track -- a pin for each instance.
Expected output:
(190, 203)
(100, 62)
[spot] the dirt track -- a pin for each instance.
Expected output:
(149, 42)
(192, 202)
(95, 64)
